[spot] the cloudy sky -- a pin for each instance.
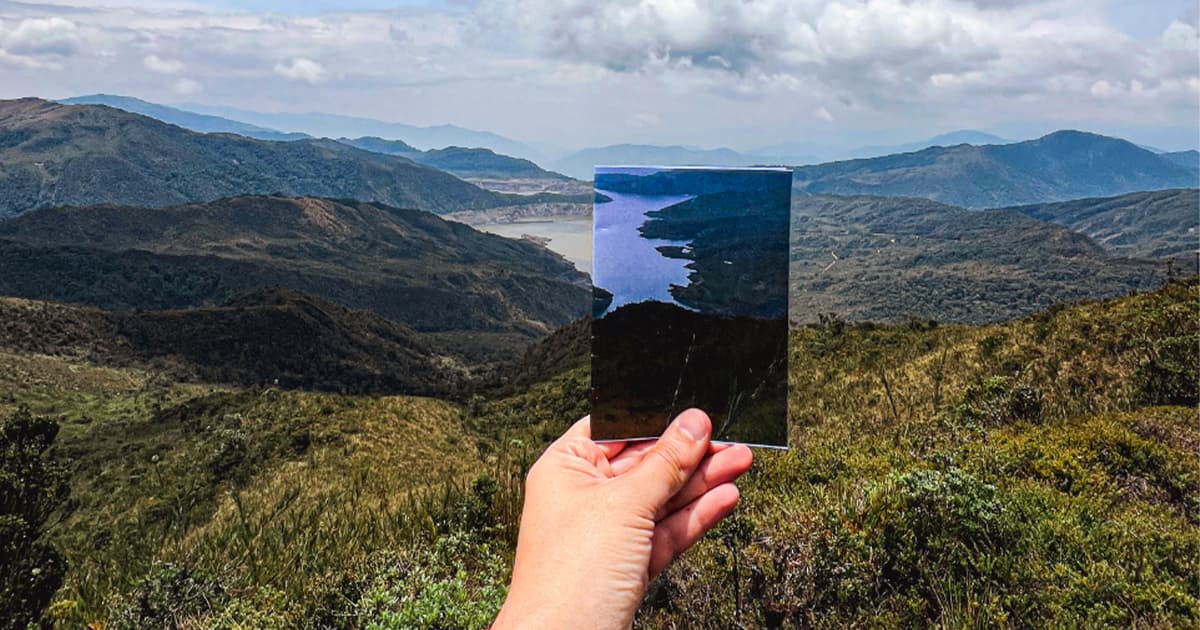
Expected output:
(572, 73)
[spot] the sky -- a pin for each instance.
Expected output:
(576, 73)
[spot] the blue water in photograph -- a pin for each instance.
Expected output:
(631, 267)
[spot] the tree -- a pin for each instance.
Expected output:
(32, 486)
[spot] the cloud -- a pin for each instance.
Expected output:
(187, 87)
(718, 72)
(154, 63)
(1102, 89)
(301, 69)
(645, 119)
(39, 37)
(823, 114)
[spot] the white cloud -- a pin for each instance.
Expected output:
(36, 37)
(187, 87)
(645, 119)
(717, 72)
(154, 63)
(301, 69)
(1102, 89)
(823, 114)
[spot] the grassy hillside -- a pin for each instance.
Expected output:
(405, 265)
(1157, 224)
(1038, 472)
(53, 155)
(888, 259)
(1058, 166)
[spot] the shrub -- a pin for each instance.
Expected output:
(168, 596)
(998, 400)
(456, 583)
(32, 486)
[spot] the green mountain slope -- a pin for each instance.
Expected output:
(1158, 224)
(406, 265)
(1061, 165)
(887, 259)
(270, 336)
(980, 475)
(52, 154)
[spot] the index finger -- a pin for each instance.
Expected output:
(583, 429)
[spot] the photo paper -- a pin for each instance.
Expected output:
(690, 301)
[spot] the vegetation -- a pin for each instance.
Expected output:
(889, 259)
(653, 360)
(54, 155)
(405, 265)
(461, 161)
(737, 248)
(32, 487)
(1155, 224)
(1038, 472)
(272, 336)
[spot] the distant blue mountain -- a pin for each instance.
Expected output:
(800, 153)
(1190, 159)
(338, 126)
(965, 136)
(581, 163)
(188, 120)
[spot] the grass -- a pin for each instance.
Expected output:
(1040, 472)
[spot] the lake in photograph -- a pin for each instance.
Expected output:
(633, 269)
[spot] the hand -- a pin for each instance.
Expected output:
(603, 519)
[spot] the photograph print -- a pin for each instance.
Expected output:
(690, 301)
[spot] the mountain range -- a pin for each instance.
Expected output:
(1059, 166)
(478, 294)
(465, 162)
(1154, 224)
(580, 164)
(468, 163)
(889, 258)
(53, 154)
(796, 153)
(340, 126)
(188, 120)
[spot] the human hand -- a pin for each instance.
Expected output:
(603, 519)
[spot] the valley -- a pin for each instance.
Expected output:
(289, 382)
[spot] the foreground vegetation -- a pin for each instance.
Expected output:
(1039, 472)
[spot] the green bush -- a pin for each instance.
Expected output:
(168, 596)
(997, 401)
(455, 584)
(32, 486)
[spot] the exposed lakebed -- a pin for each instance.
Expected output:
(570, 237)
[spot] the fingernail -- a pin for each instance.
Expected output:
(694, 424)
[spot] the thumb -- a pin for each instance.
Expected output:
(663, 471)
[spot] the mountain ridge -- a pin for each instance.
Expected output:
(1151, 224)
(272, 335)
(1062, 165)
(203, 123)
(487, 293)
(53, 154)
